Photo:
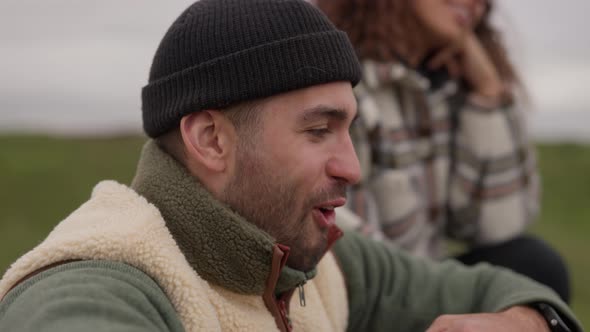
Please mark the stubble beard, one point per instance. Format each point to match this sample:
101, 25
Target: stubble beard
269, 201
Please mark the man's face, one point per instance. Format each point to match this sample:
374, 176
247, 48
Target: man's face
292, 173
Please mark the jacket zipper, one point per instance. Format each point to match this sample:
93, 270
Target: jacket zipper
302, 293
279, 307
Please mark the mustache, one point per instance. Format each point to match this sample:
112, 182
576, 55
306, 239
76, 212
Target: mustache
334, 191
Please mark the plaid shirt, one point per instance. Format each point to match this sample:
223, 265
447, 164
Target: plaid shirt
436, 163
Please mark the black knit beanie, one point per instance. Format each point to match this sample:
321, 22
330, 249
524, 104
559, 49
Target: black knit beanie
220, 52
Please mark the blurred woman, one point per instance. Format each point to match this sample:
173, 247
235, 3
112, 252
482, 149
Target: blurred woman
440, 136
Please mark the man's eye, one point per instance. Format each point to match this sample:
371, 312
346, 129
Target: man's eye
318, 132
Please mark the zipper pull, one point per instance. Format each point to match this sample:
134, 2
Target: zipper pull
301, 295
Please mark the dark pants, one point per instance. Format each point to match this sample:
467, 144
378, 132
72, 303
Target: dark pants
527, 255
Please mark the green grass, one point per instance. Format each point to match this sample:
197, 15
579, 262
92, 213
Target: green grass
565, 215
43, 179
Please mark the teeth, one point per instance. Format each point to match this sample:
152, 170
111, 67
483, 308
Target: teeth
329, 208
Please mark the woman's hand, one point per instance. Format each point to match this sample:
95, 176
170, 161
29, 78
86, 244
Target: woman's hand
468, 59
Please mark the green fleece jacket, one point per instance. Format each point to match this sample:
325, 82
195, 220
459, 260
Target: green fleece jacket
133, 285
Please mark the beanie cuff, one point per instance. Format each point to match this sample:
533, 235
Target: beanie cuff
291, 64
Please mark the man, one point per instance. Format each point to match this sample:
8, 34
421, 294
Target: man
231, 211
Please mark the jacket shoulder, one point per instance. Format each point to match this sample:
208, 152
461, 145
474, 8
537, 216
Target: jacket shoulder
107, 295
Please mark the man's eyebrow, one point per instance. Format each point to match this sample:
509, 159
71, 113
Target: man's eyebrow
322, 111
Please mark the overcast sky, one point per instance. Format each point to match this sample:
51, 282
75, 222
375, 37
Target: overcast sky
77, 66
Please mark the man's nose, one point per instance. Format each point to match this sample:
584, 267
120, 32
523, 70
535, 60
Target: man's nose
344, 164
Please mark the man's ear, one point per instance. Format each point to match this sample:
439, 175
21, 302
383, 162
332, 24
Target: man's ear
207, 136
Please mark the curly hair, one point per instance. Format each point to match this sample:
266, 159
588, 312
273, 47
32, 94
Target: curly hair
382, 30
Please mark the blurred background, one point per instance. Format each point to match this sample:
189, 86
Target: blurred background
70, 79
